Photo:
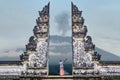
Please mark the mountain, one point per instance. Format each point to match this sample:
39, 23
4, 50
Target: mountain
107, 56
67, 48
60, 48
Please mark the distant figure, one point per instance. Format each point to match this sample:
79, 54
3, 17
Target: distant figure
62, 72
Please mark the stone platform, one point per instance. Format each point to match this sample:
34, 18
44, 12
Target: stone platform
57, 77
70, 77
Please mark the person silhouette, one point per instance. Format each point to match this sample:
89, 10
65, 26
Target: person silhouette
61, 63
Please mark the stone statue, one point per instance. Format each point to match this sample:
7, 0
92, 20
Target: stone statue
32, 44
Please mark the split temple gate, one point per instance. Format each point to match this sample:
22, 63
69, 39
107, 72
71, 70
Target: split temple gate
86, 64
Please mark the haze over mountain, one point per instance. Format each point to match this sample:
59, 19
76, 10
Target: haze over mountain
60, 48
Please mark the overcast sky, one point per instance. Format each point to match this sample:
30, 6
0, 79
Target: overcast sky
102, 17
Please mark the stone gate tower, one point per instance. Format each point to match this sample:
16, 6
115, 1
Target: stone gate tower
35, 59
84, 56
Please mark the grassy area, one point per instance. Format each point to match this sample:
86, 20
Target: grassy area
115, 79
4, 79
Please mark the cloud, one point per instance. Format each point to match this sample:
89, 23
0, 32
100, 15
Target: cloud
59, 44
54, 54
10, 44
54, 57
62, 21
11, 53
